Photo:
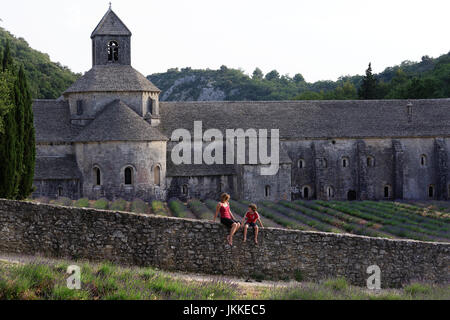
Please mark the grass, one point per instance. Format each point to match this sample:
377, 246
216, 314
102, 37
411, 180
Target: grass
62, 201
40, 280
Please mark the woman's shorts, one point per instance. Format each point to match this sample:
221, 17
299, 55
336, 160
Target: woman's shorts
228, 222
251, 224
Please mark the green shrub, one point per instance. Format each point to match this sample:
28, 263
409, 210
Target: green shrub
118, 204
178, 208
298, 275
63, 201
158, 208
101, 204
139, 206
82, 203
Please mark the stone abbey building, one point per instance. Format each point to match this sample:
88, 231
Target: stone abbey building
108, 135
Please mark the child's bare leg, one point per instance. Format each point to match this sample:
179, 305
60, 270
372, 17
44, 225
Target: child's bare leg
245, 232
256, 234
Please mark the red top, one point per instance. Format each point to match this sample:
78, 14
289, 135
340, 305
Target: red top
251, 216
225, 211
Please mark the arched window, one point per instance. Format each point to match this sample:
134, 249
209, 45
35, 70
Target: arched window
345, 162
267, 191
128, 175
150, 105
184, 189
60, 191
97, 176
351, 195
157, 176
301, 163
387, 191
423, 160
431, 191
330, 192
370, 161
113, 51
306, 192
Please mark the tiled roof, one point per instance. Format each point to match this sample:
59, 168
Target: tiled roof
118, 122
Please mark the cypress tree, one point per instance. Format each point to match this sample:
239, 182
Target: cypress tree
28, 144
368, 89
7, 61
17, 149
8, 153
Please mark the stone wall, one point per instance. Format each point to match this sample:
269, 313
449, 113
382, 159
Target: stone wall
199, 246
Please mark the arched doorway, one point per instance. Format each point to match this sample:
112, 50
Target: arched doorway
351, 195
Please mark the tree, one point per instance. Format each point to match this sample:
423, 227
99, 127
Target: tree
17, 145
299, 78
29, 143
368, 87
272, 75
257, 74
7, 57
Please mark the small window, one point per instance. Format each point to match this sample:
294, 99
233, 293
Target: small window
97, 176
387, 191
128, 175
370, 162
330, 192
345, 162
113, 51
184, 189
60, 191
431, 191
150, 106
423, 160
79, 107
301, 163
157, 176
267, 191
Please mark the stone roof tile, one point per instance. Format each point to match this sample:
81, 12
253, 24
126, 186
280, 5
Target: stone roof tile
111, 78
118, 122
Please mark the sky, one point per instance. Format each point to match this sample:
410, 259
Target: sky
321, 39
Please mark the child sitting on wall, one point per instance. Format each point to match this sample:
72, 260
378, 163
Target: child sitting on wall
251, 218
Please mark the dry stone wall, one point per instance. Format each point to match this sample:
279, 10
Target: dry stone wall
199, 246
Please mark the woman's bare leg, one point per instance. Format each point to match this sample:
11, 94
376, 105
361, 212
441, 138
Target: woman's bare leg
234, 228
256, 234
245, 232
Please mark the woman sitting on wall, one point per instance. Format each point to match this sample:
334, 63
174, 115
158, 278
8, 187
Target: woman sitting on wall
226, 217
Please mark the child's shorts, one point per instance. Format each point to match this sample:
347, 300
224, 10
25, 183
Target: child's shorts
228, 222
251, 224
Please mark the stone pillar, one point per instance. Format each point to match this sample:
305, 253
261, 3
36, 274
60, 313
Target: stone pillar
397, 179
440, 155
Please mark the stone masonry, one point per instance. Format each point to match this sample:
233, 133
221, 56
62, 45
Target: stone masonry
200, 246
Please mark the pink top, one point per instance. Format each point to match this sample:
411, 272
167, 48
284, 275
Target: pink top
225, 211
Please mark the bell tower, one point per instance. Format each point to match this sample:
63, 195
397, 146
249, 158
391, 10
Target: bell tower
111, 41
